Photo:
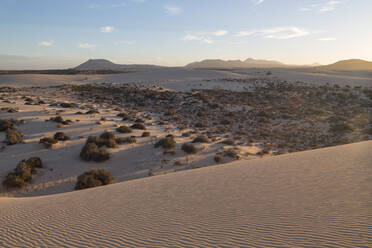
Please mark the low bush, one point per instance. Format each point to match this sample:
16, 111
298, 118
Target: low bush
60, 136
124, 129
126, 140
145, 134
138, 126
167, 143
22, 173
92, 111
67, 105
60, 120
189, 148
228, 142
201, 139
35, 162
232, 154
367, 130
218, 158
341, 128
13, 137
48, 142
91, 152
94, 178
5, 125
123, 115
107, 135
101, 155
14, 181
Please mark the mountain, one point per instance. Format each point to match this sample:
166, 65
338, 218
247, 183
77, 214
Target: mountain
248, 63
103, 64
349, 65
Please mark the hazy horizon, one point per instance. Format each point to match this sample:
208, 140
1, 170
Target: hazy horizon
48, 34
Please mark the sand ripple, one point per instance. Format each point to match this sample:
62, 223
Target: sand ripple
319, 198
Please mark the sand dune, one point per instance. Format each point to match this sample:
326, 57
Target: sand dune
319, 198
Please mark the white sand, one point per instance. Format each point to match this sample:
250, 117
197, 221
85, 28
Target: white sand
319, 198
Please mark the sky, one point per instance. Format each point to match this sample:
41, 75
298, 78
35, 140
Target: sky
40, 34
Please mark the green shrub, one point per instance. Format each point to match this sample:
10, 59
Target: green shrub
94, 178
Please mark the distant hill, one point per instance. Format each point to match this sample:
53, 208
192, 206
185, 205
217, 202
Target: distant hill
103, 64
349, 65
248, 63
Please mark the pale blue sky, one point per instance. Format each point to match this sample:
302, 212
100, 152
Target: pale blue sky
176, 32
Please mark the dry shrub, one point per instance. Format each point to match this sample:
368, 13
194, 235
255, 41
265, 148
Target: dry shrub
229, 142
22, 173
139, 126
94, 178
124, 129
13, 137
232, 153
92, 111
5, 125
91, 152
48, 142
60, 120
126, 140
218, 158
123, 115
341, 128
145, 134
189, 148
60, 136
166, 143
201, 139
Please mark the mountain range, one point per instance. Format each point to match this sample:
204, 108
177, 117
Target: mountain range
344, 65
248, 63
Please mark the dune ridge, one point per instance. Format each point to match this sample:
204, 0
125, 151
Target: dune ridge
318, 198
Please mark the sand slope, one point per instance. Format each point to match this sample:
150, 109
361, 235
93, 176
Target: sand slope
319, 198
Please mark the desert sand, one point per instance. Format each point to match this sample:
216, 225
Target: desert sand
258, 179
319, 198
186, 79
